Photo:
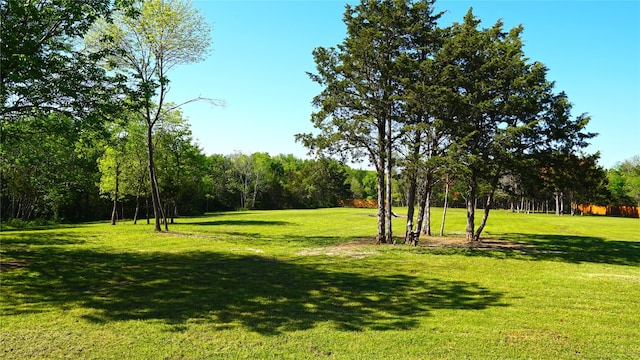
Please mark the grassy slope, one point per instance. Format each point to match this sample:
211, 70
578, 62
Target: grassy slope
274, 285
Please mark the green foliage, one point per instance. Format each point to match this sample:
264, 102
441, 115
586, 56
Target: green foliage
461, 101
362, 184
280, 182
624, 182
47, 171
143, 49
43, 69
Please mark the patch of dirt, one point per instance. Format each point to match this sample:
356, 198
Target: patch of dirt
353, 249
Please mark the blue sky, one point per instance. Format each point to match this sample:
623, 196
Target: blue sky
261, 51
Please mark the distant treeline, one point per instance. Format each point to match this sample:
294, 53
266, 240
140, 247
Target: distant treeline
51, 170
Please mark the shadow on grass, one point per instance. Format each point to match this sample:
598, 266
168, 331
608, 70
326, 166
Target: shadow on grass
40, 239
578, 249
257, 239
262, 294
240, 223
567, 248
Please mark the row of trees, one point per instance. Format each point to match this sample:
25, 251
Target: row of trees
87, 130
52, 170
83, 91
460, 102
92, 61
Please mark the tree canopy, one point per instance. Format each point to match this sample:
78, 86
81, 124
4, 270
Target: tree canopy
144, 49
452, 115
400, 90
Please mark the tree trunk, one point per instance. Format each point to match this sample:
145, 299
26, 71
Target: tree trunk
114, 211
411, 198
420, 216
381, 238
135, 213
155, 198
255, 188
146, 204
427, 214
412, 185
446, 203
471, 208
389, 183
485, 215
380, 162
426, 201
164, 217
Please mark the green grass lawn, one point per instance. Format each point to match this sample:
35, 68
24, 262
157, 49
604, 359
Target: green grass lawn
299, 284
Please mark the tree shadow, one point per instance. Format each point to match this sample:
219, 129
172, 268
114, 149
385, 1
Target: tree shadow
298, 240
241, 223
578, 249
263, 294
40, 239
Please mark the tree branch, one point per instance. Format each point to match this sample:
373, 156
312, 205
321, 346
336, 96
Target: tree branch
212, 102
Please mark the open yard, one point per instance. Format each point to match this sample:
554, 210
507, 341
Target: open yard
306, 284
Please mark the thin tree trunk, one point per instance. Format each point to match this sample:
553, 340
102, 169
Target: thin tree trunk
389, 185
381, 238
411, 198
164, 217
485, 214
412, 185
446, 203
420, 217
135, 213
114, 211
255, 189
427, 215
146, 208
380, 172
155, 199
471, 208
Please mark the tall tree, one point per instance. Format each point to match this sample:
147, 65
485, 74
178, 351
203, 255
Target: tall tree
421, 133
496, 98
166, 33
359, 107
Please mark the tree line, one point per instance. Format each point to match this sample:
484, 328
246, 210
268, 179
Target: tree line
52, 171
443, 114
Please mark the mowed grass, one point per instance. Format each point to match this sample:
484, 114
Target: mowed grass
303, 284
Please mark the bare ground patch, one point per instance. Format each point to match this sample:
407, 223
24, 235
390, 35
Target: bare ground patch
358, 248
